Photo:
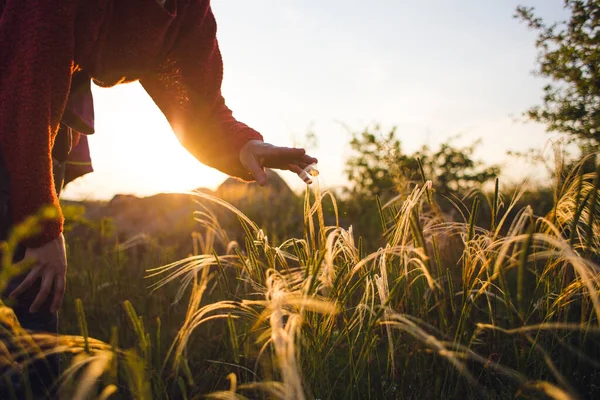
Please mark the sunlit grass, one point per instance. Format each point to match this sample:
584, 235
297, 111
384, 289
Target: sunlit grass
446, 309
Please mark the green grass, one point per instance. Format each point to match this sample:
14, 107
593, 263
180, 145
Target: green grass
445, 309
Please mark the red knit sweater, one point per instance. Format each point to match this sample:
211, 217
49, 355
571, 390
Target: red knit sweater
173, 51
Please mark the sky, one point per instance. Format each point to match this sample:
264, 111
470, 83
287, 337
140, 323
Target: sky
433, 69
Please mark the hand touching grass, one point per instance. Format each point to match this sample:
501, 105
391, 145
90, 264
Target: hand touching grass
50, 264
256, 155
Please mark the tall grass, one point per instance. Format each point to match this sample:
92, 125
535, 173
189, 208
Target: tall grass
446, 309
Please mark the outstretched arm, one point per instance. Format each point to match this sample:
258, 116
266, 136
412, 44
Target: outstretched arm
187, 88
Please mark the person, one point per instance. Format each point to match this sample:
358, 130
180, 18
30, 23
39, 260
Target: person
170, 47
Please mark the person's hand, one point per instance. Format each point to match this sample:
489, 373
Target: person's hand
256, 155
50, 264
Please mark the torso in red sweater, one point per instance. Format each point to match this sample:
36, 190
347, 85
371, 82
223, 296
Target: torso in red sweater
172, 50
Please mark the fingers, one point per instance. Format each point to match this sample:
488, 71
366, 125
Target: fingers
47, 280
59, 293
308, 159
307, 165
258, 156
257, 171
301, 173
279, 157
281, 152
42, 295
27, 282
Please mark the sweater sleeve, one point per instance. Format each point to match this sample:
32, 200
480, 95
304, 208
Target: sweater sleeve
34, 87
187, 88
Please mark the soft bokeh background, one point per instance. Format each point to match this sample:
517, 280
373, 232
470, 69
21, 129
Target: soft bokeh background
435, 69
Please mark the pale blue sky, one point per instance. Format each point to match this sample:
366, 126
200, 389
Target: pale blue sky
432, 68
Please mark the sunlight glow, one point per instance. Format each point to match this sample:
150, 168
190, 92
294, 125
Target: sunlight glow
135, 150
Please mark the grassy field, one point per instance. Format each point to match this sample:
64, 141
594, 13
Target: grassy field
445, 309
